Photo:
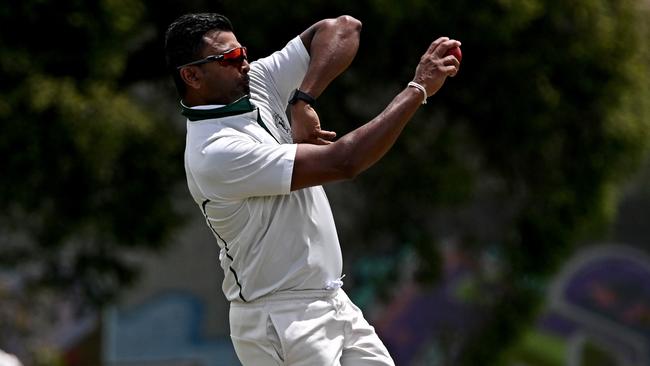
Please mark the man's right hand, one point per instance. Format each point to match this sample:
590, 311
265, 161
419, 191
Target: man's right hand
434, 66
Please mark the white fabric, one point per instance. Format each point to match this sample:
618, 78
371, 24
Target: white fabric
273, 80
7, 359
271, 239
305, 328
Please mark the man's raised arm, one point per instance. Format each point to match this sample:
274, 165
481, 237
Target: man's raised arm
361, 148
332, 45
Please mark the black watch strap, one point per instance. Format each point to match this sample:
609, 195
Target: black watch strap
300, 95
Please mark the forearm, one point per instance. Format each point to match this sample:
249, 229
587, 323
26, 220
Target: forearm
332, 45
363, 147
357, 150
367, 144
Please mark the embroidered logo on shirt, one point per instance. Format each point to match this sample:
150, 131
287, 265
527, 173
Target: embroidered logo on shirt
281, 123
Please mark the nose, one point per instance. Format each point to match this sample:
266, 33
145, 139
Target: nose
245, 67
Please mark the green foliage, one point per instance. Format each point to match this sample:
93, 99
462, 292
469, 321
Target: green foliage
538, 349
87, 171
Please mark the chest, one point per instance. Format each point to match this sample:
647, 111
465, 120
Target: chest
277, 124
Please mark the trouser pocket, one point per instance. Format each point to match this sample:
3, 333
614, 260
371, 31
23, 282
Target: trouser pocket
274, 338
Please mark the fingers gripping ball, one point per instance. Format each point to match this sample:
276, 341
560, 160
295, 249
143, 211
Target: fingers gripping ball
456, 53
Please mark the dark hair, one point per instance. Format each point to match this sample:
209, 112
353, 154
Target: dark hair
184, 40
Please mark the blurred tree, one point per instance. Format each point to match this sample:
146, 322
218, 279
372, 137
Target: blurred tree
88, 172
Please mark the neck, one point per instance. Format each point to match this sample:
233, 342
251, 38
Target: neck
193, 100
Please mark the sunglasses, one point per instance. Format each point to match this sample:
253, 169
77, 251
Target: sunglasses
233, 56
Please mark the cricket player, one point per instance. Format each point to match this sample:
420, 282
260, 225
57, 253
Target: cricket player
257, 179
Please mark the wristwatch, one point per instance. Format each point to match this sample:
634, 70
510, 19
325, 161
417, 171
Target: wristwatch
300, 95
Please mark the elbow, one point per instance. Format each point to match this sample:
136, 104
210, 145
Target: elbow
348, 24
344, 25
348, 172
349, 158
349, 169
342, 160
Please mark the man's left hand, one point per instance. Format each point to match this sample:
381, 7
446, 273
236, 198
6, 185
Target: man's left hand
305, 126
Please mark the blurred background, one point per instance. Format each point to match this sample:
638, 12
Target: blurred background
510, 224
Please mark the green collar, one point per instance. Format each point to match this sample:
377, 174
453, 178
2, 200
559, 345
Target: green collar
240, 106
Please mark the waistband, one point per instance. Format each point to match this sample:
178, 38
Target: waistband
290, 295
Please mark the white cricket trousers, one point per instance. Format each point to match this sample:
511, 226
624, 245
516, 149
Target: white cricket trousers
305, 328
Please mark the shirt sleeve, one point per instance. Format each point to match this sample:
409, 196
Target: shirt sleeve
282, 72
236, 167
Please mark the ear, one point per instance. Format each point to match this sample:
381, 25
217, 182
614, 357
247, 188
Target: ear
191, 76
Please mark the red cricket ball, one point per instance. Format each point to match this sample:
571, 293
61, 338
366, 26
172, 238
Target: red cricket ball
455, 52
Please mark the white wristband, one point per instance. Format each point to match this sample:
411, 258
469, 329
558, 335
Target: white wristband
420, 88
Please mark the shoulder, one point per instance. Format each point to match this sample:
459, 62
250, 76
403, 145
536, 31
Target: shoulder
294, 51
201, 134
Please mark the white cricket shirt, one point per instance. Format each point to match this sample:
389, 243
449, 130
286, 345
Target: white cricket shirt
239, 172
